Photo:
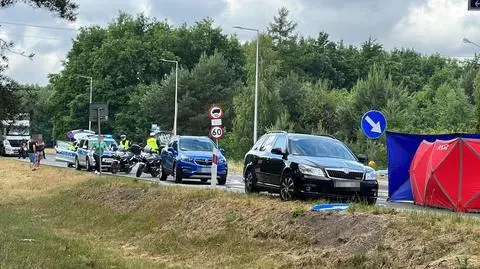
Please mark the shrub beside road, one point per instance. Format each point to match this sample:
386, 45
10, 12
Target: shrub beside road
59, 218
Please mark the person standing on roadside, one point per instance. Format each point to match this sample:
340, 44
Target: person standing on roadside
40, 151
98, 147
32, 154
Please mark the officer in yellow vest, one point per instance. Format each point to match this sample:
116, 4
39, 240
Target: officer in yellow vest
152, 143
124, 142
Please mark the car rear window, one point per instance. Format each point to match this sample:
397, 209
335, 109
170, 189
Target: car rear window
259, 143
268, 145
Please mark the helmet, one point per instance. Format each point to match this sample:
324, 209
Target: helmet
123, 136
152, 134
372, 164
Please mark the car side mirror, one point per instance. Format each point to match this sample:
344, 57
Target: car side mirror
278, 151
362, 158
222, 150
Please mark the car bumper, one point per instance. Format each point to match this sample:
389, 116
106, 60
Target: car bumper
191, 170
9, 151
339, 188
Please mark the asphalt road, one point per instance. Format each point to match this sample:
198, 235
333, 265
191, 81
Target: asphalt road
234, 181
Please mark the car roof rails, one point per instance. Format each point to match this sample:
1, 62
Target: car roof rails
327, 135
276, 132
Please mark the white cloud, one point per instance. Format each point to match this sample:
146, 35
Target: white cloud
437, 26
425, 25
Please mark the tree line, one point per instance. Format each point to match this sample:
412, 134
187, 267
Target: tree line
306, 84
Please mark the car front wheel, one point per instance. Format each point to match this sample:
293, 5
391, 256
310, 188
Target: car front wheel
77, 164
222, 180
178, 174
287, 188
163, 174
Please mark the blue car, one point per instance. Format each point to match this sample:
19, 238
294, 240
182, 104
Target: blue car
191, 157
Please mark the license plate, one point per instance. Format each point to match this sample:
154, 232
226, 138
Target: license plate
347, 184
107, 160
204, 170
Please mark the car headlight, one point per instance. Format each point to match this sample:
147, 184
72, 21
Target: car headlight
370, 175
186, 158
310, 170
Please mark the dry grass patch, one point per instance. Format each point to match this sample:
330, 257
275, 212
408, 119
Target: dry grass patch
235, 166
18, 182
50, 151
113, 222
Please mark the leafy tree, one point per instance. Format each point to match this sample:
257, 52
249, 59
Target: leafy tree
209, 82
282, 29
65, 9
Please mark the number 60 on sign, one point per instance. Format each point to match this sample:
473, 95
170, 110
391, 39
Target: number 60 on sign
217, 132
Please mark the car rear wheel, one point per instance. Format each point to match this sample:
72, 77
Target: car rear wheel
370, 200
250, 182
287, 188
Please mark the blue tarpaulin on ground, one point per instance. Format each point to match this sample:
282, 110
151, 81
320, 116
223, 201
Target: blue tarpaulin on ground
330, 207
401, 149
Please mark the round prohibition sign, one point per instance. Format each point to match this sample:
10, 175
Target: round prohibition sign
217, 132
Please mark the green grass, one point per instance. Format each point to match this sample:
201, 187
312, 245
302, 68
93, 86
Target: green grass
118, 223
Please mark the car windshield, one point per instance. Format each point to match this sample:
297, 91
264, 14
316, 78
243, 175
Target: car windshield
316, 146
18, 130
196, 144
111, 144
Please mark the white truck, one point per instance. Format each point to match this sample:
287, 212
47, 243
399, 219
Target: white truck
13, 133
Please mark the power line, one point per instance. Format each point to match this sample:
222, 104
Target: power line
38, 26
32, 36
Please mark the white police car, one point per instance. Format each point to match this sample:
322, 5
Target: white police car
85, 151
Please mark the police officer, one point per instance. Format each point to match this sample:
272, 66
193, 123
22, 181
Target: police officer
152, 143
124, 142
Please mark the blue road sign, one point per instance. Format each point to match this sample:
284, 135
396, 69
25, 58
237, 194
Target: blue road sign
373, 124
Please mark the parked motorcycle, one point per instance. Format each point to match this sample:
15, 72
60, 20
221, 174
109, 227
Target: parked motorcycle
23, 152
149, 163
124, 161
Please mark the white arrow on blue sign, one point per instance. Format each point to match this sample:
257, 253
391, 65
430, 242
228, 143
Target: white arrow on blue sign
373, 124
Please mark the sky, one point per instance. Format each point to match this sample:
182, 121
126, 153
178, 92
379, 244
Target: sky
428, 26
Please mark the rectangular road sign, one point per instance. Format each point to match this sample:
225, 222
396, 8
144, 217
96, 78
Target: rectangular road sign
95, 109
474, 5
216, 122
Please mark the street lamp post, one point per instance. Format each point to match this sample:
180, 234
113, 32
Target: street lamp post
90, 102
255, 113
176, 94
468, 41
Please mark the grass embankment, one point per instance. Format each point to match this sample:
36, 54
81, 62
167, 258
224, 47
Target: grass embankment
59, 218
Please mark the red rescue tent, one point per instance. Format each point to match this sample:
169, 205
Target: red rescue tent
447, 174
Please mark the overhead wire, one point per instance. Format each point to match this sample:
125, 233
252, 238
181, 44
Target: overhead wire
39, 26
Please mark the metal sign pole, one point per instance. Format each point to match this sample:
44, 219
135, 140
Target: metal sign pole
213, 180
99, 142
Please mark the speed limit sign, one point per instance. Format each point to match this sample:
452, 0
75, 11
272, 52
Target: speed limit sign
217, 132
